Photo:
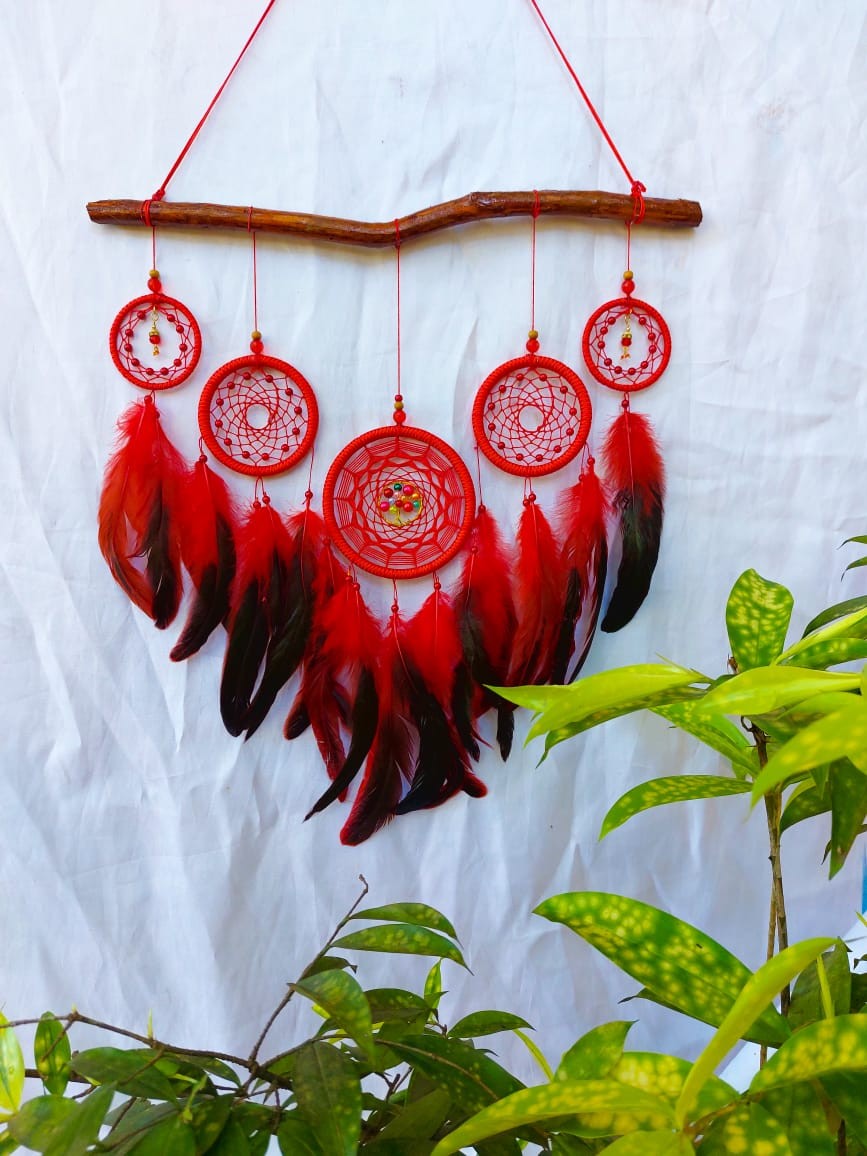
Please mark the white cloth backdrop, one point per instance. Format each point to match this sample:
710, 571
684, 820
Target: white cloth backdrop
148, 860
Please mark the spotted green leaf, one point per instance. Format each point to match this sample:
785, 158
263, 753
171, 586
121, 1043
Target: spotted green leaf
805, 802
842, 734
340, 995
416, 913
686, 968
486, 1023
134, 1071
831, 652
433, 985
800, 1113
564, 1145
210, 1117
672, 789
594, 1055
326, 963
388, 1003
171, 1137
402, 939
11, 1069
472, 1079
651, 1144
806, 1003
419, 1120
664, 1076
757, 993
621, 690
233, 1142
840, 610
80, 1129
329, 1096
52, 1052
37, 1121
820, 1049
846, 1092
749, 1129
758, 613
7, 1144
623, 1107
770, 688
714, 730
595, 718
848, 792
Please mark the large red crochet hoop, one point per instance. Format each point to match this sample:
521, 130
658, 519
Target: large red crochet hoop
647, 347
398, 502
155, 323
532, 416
258, 415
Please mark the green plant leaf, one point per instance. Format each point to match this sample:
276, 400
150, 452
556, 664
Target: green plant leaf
133, 1071
651, 1144
758, 613
846, 1092
418, 914
848, 791
233, 1142
536, 1052
806, 802
801, 1115
839, 735
171, 1137
769, 688
850, 607
689, 971
664, 1076
7, 1144
829, 652
714, 730
296, 1138
419, 1120
470, 1077
486, 1023
622, 690
36, 1122
391, 1003
327, 963
757, 993
433, 986
52, 1051
129, 1121
820, 1049
402, 939
748, 1129
210, 1117
626, 1107
806, 1003
75, 1134
594, 1055
595, 718
564, 1145
341, 996
672, 789
329, 1095
11, 1068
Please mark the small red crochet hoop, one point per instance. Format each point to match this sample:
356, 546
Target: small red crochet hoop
531, 416
150, 328
398, 502
641, 341
258, 415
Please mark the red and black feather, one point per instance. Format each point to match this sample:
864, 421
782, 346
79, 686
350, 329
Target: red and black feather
539, 597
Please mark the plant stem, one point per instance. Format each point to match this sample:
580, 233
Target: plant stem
842, 1146
778, 929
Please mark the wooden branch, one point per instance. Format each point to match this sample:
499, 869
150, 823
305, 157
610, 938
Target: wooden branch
473, 207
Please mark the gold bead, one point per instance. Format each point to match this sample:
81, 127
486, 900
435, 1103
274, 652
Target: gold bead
255, 335
533, 334
628, 275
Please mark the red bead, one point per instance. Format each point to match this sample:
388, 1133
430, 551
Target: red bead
154, 284
384, 505
154, 338
532, 345
628, 288
408, 507
256, 345
626, 339
400, 417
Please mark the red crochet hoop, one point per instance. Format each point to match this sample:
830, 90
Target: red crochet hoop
648, 358
531, 416
178, 344
398, 502
258, 415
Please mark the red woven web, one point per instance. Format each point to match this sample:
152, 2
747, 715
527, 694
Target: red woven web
649, 349
531, 416
359, 502
258, 415
180, 342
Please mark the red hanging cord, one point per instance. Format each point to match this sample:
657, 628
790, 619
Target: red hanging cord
161, 191
399, 415
632, 181
536, 210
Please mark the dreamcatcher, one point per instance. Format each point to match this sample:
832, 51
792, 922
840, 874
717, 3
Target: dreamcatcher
396, 701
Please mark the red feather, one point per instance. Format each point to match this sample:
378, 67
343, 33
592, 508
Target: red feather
137, 513
539, 597
636, 476
207, 526
583, 532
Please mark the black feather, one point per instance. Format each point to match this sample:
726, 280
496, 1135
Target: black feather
640, 530
162, 564
595, 607
248, 641
364, 723
505, 729
565, 644
440, 762
211, 605
462, 698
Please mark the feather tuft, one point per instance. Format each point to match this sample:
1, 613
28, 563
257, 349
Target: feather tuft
539, 597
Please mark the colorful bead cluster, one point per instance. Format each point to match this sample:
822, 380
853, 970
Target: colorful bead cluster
400, 503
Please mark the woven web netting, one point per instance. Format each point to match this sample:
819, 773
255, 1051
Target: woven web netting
532, 416
156, 364
258, 415
634, 365
398, 503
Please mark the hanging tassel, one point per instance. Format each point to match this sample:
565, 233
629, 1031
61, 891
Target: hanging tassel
137, 513
207, 541
291, 601
539, 596
430, 649
487, 622
352, 648
585, 559
636, 476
